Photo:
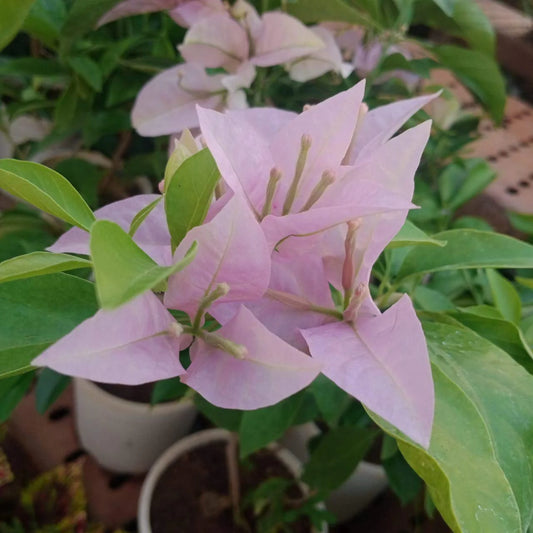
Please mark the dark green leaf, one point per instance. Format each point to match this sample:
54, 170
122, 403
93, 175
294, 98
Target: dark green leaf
167, 390
88, 70
338, 453
45, 19
50, 385
84, 176
318, 10
38, 311
332, 401
12, 390
229, 419
263, 426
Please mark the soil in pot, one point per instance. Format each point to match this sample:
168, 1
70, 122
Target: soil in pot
192, 495
133, 393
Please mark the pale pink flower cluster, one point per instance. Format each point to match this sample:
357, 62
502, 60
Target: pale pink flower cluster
311, 201
235, 40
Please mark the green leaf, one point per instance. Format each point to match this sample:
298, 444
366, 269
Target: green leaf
45, 19
526, 282
432, 300
412, 235
12, 390
32, 66
140, 217
447, 6
84, 176
189, 193
459, 18
499, 331
317, 11
332, 401
229, 419
479, 73
122, 270
505, 297
479, 466
50, 385
88, 70
521, 222
167, 390
12, 15
38, 311
45, 189
460, 182
39, 264
469, 249
83, 17
403, 480
335, 457
262, 426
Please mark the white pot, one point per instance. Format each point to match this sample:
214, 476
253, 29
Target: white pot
190, 442
357, 492
126, 436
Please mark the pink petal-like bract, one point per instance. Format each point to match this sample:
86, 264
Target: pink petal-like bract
393, 166
191, 11
330, 125
216, 41
167, 103
381, 123
242, 154
128, 345
281, 39
320, 61
383, 362
231, 249
152, 236
271, 371
137, 7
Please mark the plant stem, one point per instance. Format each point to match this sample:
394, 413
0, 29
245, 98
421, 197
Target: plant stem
232, 463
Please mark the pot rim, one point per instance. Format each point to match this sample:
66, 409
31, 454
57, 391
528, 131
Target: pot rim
115, 402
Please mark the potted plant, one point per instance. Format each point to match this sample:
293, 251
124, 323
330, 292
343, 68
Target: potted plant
198, 482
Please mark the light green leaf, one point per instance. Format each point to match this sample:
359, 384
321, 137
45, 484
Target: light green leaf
479, 466
336, 456
38, 311
501, 332
467, 248
45, 189
140, 217
526, 282
505, 297
39, 264
431, 300
479, 72
122, 270
12, 15
189, 194
412, 235
262, 426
